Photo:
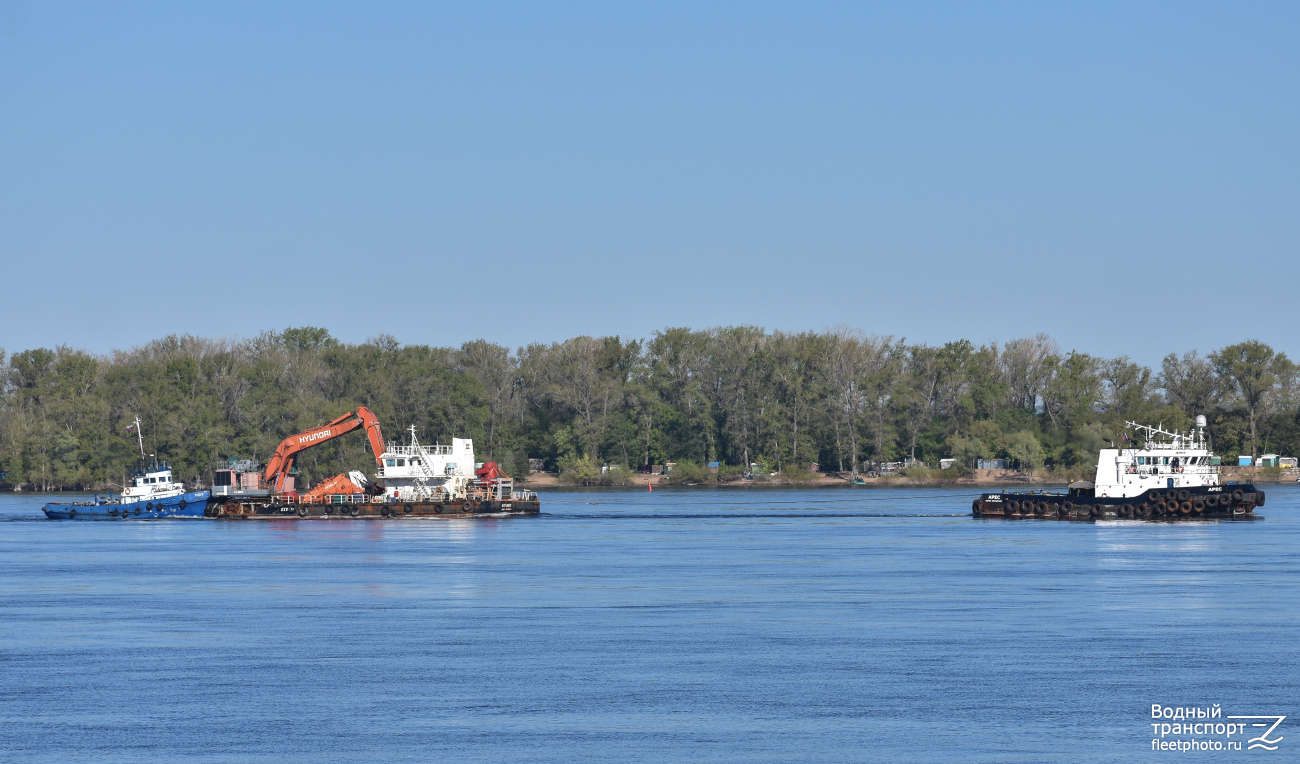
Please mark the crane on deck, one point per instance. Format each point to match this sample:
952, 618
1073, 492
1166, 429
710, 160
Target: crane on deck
278, 466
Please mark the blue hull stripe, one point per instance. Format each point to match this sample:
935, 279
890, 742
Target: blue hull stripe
190, 504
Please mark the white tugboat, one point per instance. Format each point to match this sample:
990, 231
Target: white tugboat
1162, 475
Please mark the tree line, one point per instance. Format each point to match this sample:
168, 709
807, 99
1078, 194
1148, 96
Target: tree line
737, 395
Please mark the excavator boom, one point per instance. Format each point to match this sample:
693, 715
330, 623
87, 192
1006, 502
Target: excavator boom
282, 460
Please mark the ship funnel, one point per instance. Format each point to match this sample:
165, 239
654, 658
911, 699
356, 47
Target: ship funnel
1200, 420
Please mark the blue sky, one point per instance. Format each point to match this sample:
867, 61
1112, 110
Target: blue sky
1123, 177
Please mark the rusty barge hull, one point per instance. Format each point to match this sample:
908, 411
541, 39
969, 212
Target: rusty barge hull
1229, 502
409, 510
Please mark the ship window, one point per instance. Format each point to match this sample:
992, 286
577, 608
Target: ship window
401, 462
1164, 460
391, 462
1142, 460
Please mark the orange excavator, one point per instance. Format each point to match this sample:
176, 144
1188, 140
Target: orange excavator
278, 466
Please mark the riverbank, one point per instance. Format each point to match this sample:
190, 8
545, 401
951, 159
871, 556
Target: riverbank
544, 480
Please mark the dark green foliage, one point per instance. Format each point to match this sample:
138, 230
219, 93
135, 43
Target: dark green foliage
735, 395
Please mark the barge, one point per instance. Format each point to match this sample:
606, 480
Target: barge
1163, 475
411, 481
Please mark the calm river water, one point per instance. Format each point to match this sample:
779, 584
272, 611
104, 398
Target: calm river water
682, 625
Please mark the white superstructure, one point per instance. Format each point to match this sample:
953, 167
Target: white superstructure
1182, 461
418, 471
152, 479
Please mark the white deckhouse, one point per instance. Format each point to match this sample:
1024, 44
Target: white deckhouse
1183, 461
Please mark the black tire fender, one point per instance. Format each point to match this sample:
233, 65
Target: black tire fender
1013, 506
1184, 495
1259, 498
354, 510
183, 503
1153, 495
302, 511
1238, 495
1094, 510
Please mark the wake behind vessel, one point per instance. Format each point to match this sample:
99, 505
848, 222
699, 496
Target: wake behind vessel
153, 494
1160, 479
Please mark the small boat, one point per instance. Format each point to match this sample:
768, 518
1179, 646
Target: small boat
152, 495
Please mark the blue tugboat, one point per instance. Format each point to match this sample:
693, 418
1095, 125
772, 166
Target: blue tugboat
153, 494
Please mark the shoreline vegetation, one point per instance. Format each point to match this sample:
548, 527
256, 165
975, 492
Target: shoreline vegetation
914, 478
806, 408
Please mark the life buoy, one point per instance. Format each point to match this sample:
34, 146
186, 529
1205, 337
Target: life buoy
302, 511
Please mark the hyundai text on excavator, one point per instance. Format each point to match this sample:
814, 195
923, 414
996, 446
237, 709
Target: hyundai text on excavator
411, 481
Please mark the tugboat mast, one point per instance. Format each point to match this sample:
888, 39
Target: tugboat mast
139, 436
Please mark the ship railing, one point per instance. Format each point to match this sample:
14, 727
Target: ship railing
434, 450
333, 498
